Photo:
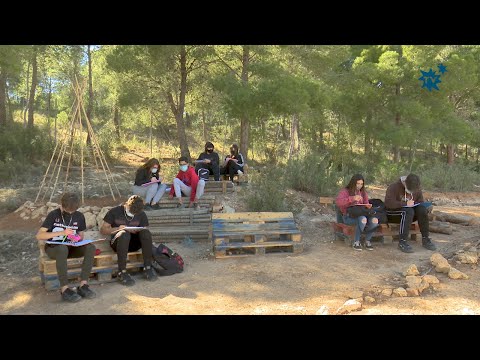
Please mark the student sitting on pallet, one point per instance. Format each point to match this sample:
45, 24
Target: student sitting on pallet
148, 173
59, 224
233, 163
209, 160
127, 225
187, 182
354, 194
403, 201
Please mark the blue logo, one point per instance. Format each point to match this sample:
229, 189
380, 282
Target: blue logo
431, 79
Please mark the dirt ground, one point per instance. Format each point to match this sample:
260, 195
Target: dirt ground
319, 280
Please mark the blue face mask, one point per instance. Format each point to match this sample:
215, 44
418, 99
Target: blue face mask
183, 168
154, 170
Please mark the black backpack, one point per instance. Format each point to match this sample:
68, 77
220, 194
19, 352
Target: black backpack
166, 261
380, 210
203, 174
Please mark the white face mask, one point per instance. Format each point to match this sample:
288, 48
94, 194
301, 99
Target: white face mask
129, 213
359, 187
154, 170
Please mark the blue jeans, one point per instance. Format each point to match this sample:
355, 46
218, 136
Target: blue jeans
368, 226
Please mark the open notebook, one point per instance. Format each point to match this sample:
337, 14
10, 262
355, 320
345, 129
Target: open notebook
70, 243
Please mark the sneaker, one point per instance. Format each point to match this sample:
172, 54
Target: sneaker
147, 208
405, 246
84, 291
357, 246
125, 278
239, 172
149, 274
196, 206
180, 205
156, 206
70, 296
368, 246
427, 244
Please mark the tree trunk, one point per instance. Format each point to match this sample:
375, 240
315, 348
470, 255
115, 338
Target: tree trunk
368, 141
284, 128
244, 121
204, 124
24, 114
31, 101
178, 110
116, 122
3, 104
450, 154
49, 106
294, 137
396, 148
90, 92
466, 152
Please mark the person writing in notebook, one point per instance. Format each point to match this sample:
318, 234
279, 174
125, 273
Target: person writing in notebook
148, 184
57, 226
400, 201
354, 194
118, 222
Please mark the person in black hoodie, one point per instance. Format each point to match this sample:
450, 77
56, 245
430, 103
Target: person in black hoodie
209, 160
233, 163
403, 202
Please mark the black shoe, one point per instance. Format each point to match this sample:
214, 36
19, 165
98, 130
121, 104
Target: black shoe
368, 246
147, 208
155, 207
196, 206
150, 274
125, 279
357, 247
180, 206
70, 296
427, 244
84, 291
405, 246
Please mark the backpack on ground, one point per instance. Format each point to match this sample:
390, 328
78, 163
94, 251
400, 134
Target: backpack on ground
166, 261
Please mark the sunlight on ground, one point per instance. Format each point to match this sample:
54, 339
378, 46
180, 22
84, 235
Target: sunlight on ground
19, 299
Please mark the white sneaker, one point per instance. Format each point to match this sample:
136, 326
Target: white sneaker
239, 172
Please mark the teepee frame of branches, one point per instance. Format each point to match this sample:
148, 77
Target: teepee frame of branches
78, 117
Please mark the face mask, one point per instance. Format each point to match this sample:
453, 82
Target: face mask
129, 213
183, 167
359, 187
209, 151
154, 170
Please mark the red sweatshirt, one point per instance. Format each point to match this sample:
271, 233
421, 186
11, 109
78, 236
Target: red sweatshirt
344, 200
189, 178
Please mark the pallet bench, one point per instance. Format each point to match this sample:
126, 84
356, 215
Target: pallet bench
385, 233
104, 268
178, 224
206, 202
254, 233
218, 187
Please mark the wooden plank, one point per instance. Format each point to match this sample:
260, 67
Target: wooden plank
326, 200
254, 227
249, 216
279, 232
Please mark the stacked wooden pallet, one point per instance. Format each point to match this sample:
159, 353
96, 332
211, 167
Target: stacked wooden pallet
206, 202
219, 187
255, 233
178, 224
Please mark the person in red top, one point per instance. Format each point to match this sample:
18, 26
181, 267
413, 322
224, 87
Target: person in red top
353, 194
186, 182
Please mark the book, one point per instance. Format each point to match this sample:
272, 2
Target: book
129, 228
151, 182
426, 204
71, 243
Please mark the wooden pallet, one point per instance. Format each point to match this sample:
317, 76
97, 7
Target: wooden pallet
178, 224
206, 202
104, 267
219, 187
254, 233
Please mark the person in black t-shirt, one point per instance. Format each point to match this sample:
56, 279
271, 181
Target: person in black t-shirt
59, 224
117, 223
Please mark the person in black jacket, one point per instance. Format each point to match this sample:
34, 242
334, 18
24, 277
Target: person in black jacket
209, 160
148, 184
233, 163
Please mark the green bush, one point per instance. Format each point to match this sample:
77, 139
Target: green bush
268, 192
444, 177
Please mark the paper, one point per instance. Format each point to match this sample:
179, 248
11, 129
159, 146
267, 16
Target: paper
129, 228
426, 204
151, 182
70, 243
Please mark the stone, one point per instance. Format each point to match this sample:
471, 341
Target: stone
411, 270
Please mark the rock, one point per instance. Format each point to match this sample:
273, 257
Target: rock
52, 204
401, 292
355, 294
349, 306
101, 215
90, 220
93, 234
431, 279
84, 209
323, 310
228, 210
95, 209
413, 282
441, 264
41, 211
412, 292
457, 274
468, 257
387, 292
369, 299
411, 270
423, 286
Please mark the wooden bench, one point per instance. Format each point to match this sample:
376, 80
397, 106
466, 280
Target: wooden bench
384, 233
104, 268
254, 233
180, 224
238, 179
219, 187
206, 202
